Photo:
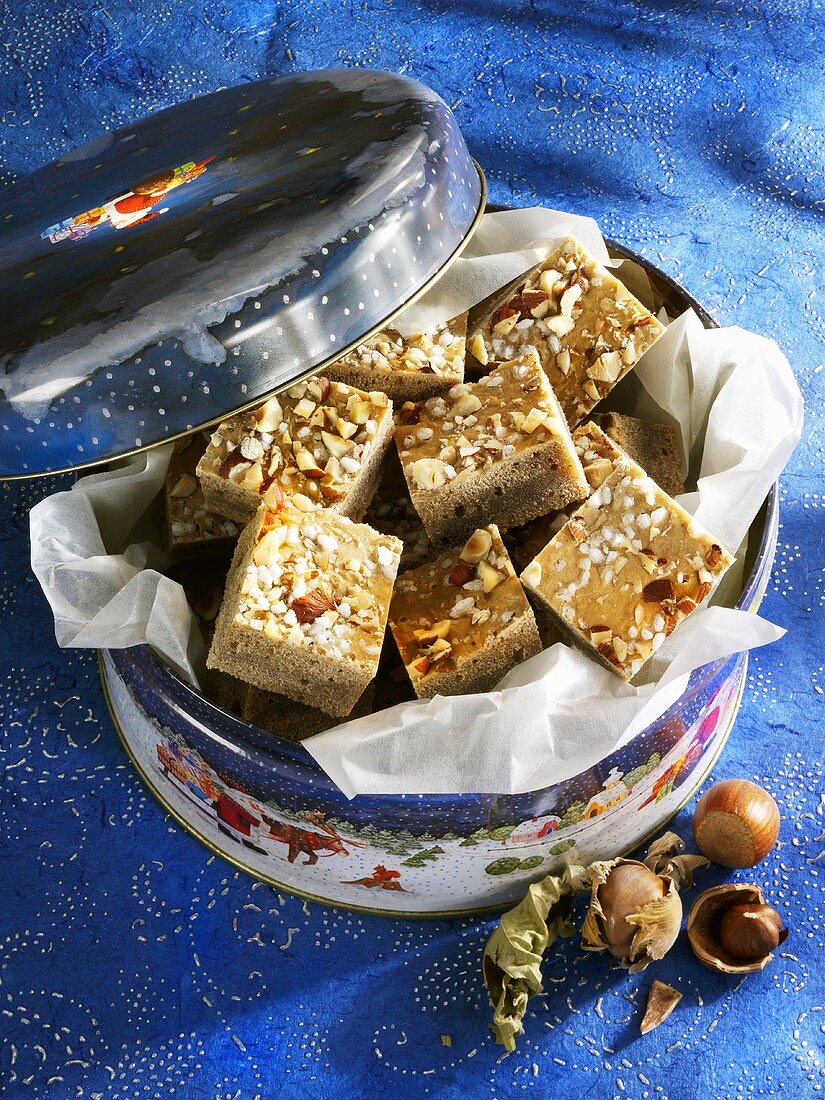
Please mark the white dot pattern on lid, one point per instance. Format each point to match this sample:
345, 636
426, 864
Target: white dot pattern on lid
362, 221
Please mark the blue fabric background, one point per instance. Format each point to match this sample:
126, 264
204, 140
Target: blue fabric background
133, 964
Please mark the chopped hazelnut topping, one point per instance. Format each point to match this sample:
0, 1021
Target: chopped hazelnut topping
439, 353
479, 349
310, 607
477, 546
312, 441
462, 438
662, 568
460, 574
434, 633
314, 578
444, 614
658, 590
185, 486
191, 527
589, 331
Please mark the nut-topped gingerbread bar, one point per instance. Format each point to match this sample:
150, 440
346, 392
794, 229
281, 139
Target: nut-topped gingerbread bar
598, 455
306, 605
463, 621
625, 570
493, 451
321, 442
192, 529
407, 368
652, 446
588, 329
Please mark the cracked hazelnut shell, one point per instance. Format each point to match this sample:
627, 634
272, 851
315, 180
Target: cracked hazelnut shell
704, 927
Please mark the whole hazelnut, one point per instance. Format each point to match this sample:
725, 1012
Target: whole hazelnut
736, 823
751, 931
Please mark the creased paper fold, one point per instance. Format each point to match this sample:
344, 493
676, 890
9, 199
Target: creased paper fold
738, 408
105, 592
555, 716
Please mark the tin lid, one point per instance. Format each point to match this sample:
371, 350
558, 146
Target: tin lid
189, 266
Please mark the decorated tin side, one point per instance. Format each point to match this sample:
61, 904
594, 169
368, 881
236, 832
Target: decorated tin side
266, 806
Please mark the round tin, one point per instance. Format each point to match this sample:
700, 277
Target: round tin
265, 805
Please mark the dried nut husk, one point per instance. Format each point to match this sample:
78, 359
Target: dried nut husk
635, 910
661, 1001
663, 857
637, 920
512, 957
704, 927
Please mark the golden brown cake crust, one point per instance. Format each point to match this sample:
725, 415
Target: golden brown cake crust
321, 442
305, 607
410, 368
626, 569
655, 447
284, 717
192, 529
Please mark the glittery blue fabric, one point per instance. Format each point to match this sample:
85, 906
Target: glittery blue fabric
134, 964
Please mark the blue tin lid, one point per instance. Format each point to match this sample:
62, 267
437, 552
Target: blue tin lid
189, 266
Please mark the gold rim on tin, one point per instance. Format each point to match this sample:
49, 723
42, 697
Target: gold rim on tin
402, 914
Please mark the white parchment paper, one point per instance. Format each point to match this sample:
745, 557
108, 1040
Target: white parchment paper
739, 410
103, 585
